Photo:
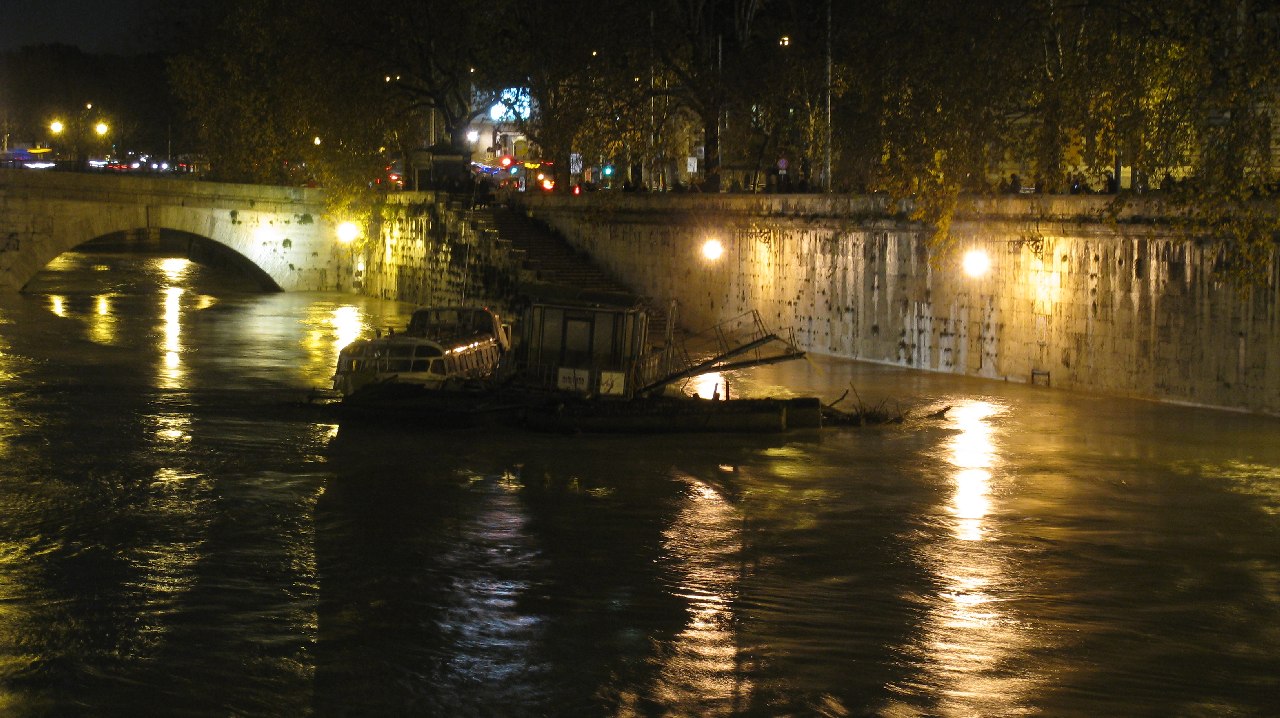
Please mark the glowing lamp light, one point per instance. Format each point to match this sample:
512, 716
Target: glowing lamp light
548, 184
101, 128
976, 263
347, 232
712, 249
473, 136
316, 140
56, 127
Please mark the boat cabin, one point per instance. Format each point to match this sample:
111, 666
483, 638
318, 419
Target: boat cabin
441, 347
582, 347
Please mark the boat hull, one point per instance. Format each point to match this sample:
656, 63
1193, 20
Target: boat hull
563, 413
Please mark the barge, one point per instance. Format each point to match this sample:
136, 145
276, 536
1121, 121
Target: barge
579, 363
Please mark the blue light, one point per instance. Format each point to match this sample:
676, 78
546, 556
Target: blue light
514, 106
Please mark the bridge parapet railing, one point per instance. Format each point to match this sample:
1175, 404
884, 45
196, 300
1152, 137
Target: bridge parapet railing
94, 187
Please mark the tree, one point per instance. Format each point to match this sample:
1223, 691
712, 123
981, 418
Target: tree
245, 92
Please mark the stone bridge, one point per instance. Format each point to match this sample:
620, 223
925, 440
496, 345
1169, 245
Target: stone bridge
278, 233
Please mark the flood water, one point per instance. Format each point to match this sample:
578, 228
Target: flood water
182, 535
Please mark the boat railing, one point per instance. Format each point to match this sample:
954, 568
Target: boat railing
737, 343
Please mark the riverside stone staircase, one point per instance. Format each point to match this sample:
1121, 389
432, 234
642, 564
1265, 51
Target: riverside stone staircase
549, 258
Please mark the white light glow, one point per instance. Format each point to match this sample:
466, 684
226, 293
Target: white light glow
175, 268
976, 263
347, 232
712, 249
514, 105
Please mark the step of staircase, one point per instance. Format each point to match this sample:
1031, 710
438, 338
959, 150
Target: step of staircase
549, 258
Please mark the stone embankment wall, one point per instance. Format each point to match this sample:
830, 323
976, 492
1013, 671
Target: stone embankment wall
429, 250
1072, 300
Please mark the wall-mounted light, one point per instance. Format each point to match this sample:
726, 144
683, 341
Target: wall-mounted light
347, 232
712, 249
976, 263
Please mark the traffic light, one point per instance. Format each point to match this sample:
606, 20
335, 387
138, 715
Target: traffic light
607, 171
506, 161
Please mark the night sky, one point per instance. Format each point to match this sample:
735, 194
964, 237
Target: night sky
110, 26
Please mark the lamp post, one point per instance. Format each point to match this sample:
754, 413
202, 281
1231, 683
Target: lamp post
81, 133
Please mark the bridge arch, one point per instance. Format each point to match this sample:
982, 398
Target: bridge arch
280, 231
194, 247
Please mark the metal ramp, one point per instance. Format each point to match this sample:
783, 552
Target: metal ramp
738, 343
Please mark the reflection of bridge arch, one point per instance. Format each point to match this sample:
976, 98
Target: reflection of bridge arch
174, 243
280, 231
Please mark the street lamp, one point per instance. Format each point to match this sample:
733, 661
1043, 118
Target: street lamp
712, 250
976, 263
80, 133
347, 232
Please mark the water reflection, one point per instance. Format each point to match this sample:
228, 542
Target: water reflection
483, 620
171, 367
102, 327
708, 386
702, 667
327, 329
973, 455
967, 636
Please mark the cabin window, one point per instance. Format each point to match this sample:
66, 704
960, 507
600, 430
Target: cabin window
552, 326
577, 342
437, 366
605, 347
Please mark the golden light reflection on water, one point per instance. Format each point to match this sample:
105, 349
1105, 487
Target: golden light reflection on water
966, 638
708, 386
102, 324
171, 373
327, 329
167, 566
703, 665
17, 577
173, 427
973, 455
175, 268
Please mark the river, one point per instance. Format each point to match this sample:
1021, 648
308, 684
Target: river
182, 534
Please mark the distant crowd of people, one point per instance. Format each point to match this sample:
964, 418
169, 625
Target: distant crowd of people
1078, 183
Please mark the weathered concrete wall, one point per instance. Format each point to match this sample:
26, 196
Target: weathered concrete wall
1071, 299
281, 230
426, 250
